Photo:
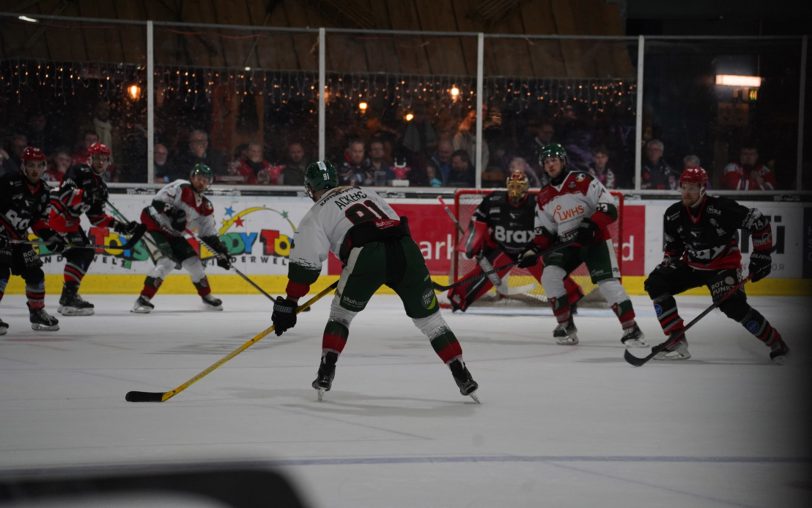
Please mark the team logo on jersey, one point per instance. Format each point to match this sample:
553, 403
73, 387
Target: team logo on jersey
580, 177
429, 299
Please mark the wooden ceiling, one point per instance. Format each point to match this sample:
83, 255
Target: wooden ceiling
357, 52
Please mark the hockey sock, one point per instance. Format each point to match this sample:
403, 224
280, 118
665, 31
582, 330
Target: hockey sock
561, 309
36, 295
151, 286
202, 286
758, 325
574, 291
446, 346
3, 283
666, 309
73, 274
334, 338
625, 313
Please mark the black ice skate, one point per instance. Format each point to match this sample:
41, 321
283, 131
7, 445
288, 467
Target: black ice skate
779, 352
41, 320
142, 306
72, 304
325, 375
633, 337
463, 378
3, 327
566, 334
212, 303
675, 348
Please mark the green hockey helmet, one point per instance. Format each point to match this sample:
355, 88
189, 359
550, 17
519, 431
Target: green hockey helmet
319, 176
553, 150
201, 169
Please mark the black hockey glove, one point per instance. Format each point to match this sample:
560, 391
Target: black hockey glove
528, 258
56, 243
587, 233
667, 265
4, 241
761, 263
284, 315
177, 216
125, 228
221, 253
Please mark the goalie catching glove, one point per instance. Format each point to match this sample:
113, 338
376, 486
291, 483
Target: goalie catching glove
284, 315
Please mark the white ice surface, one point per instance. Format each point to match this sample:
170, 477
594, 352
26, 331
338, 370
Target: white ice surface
558, 426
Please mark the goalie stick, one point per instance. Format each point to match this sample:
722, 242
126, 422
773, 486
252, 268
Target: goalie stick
639, 362
137, 396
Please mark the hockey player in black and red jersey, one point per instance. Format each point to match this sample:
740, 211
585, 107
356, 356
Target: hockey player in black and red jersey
501, 230
24, 204
575, 207
376, 248
82, 191
179, 206
701, 249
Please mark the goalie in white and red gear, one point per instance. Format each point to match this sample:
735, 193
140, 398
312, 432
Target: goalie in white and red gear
575, 207
501, 230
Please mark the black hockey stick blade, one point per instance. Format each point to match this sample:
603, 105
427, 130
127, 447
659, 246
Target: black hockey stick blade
136, 396
639, 362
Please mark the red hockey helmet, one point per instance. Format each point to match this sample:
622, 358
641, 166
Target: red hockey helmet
98, 149
32, 153
694, 175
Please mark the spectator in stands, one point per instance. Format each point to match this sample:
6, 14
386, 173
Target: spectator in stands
294, 169
198, 152
691, 161
657, 174
40, 133
165, 170
58, 165
12, 155
378, 171
600, 169
519, 163
419, 137
80, 155
462, 171
748, 173
433, 176
442, 158
353, 170
255, 169
103, 127
465, 138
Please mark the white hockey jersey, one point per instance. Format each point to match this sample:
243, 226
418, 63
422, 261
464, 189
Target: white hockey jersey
561, 208
198, 208
325, 225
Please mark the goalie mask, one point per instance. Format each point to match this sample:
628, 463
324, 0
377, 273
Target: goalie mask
517, 186
319, 176
99, 157
34, 163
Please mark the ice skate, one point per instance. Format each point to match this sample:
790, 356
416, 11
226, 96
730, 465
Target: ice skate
463, 378
142, 306
566, 334
676, 348
779, 352
212, 303
633, 337
3, 327
72, 304
325, 375
41, 320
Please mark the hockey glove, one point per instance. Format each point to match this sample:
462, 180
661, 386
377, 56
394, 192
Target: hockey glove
667, 265
3, 241
56, 243
587, 233
528, 258
125, 228
284, 315
761, 264
220, 251
177, 217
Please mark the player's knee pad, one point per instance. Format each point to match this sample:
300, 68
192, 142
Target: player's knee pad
736, 307
655, 285
552, 279
431, 326
612, 291
339, 314
163, 267
194, 267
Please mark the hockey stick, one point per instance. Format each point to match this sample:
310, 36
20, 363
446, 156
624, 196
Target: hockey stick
638, 362
150, 246
136, 396
240, 273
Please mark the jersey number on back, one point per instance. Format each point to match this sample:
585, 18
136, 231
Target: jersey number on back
364, 212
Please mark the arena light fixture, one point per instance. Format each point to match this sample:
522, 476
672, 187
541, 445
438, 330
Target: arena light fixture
362, 106
454, 92
738, 80
27, 19
408, 116
134, 91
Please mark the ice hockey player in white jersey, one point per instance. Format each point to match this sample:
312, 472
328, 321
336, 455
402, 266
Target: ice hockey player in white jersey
376, 248
575, 207
179, 206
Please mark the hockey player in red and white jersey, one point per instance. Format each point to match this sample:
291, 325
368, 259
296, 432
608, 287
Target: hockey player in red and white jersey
501, 229
376, 248
701, 247
178, 207
575, 207
82, 192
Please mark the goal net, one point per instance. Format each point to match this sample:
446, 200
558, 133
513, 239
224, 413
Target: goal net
519, 287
